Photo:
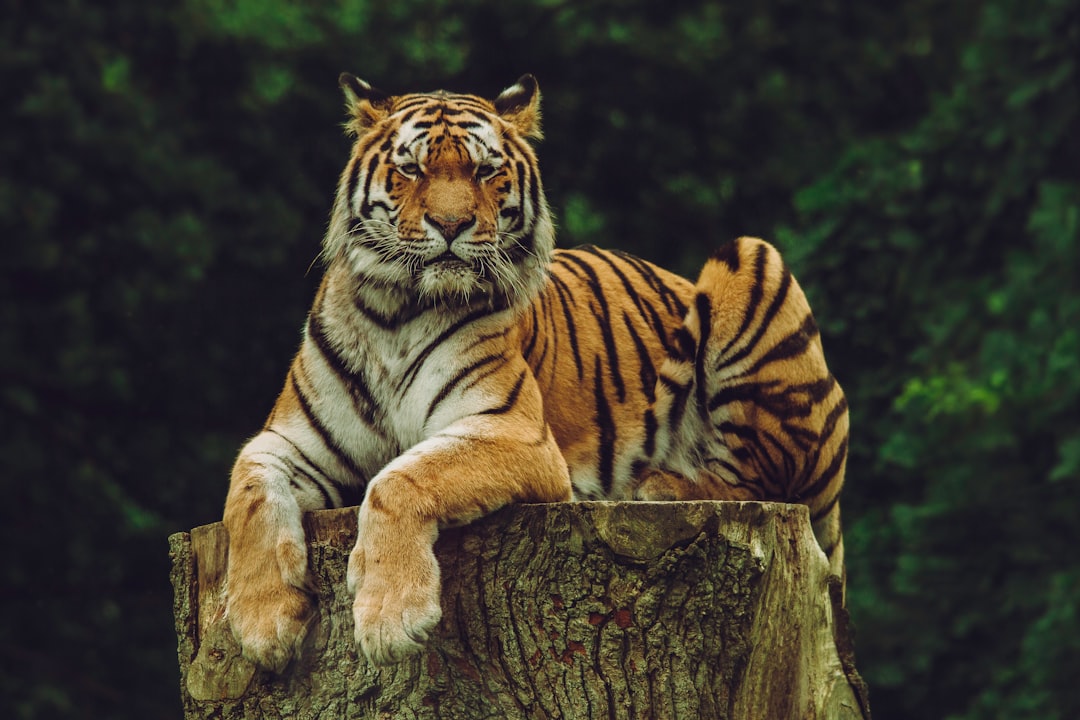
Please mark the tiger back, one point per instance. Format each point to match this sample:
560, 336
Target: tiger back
657, 388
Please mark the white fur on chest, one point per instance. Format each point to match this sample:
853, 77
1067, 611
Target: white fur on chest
404, 371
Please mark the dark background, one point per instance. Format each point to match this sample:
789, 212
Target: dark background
166, 171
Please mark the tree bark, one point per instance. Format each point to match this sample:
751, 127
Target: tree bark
575, 611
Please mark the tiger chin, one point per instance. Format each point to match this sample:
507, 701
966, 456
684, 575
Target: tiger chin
454, 362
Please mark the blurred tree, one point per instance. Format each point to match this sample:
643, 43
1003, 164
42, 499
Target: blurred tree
139, 177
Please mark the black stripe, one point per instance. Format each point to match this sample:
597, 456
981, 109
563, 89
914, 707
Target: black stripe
466, 105
648, 273
646, 369
766, 320
551, 331
839, 457
511, 400
680, 394
782, 477
684, 348
822, 512
793, 345
645, 308
513, 214
527, 352
487, 149
565, 299
405, 313
336, 486
458, 378
418, 100
520, 167
833, 418
355, 382
354, 178
752, 446
798, 401
294, 470
606, 430
650, 432
728, 254
388, 188
704, 312
522, 248
544, 351
757, 292
365, 207
603, 321
484, 337
736, 472
660, 330
408, 111
386, 322
329, 440
828, 476
743, 392
606, 257
551, 337
534, 193
784, 402
803, 438
410, 374
298, 451
482, 376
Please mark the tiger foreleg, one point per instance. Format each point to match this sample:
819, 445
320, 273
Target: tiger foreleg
393, 574
268, 603
461, 474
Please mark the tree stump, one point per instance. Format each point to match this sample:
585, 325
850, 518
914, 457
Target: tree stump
569, 610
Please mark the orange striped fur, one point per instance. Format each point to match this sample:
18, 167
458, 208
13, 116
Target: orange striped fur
454, 362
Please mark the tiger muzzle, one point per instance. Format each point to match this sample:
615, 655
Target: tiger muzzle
450, 226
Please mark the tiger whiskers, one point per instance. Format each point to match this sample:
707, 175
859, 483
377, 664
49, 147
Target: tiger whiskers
381, 238
523, 284
502, 271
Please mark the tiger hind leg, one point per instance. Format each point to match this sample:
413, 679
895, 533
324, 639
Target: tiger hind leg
667, 485
748, 407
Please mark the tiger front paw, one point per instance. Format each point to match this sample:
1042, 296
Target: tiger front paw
396, 604
269, 616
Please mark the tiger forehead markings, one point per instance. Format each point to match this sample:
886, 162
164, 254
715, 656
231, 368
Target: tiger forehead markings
423, 137
454, 362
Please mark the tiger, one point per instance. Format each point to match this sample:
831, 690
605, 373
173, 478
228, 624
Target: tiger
453, 362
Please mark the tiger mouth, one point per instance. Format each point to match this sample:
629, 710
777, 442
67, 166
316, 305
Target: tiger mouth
449, 261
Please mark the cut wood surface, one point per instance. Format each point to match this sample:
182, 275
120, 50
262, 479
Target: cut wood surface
570, 610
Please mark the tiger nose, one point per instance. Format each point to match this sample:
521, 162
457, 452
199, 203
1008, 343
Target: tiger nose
450, 226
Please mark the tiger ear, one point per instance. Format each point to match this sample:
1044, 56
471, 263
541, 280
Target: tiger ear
365, 104
519, 105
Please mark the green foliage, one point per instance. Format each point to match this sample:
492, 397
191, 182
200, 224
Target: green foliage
970, 435
168, 168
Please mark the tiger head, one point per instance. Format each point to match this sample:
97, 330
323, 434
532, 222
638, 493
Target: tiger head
441, 199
